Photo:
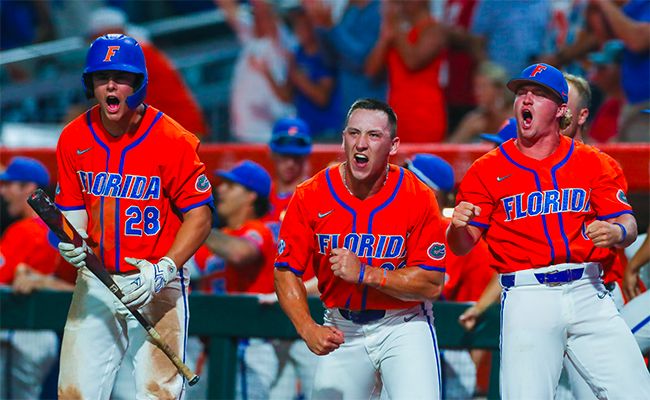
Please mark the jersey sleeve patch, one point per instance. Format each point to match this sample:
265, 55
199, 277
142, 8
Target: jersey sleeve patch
620, 195
202, 184
437, 251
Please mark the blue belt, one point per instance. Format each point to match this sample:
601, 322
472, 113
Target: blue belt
553, 278
362, 317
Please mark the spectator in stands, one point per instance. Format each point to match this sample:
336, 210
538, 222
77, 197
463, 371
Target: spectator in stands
461, 61
494, 105
512, 32
631, 24
166, 89
413, 57
254, 106
311, 83
347, 44
28, 260
606, 20
465, 277
238, 259
606, 76
290, 147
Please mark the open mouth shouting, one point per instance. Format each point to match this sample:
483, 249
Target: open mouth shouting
526, 118
112, 104
360, 160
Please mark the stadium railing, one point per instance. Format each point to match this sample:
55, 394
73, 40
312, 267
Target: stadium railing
224, 319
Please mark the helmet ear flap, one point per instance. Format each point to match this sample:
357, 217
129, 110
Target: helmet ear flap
87, 83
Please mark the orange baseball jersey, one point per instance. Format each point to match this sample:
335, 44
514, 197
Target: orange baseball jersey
132, 187
27, 241
279, 203
535, 212
398, 227
467, 276
219, 277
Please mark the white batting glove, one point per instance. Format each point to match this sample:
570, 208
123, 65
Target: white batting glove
151, 280
75, 255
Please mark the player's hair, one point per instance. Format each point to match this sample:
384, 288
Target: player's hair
582, 87
261, 206
377, 105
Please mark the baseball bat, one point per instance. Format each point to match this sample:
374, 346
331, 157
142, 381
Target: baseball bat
63, 229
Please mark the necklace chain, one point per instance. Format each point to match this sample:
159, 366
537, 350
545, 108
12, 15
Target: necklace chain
345, 174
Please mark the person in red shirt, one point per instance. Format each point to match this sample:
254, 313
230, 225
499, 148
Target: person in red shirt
413, 59
372, 232
28, 260
131, 182
238, 259
550, 212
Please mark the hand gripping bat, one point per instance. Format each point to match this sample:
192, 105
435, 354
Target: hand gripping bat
63, 229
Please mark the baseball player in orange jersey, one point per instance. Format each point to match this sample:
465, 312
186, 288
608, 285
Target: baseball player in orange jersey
240, 261
131, 182
290, 147
550, 212
379, 261
25, 356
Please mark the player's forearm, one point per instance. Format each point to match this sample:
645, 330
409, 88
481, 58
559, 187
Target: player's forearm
641, 257
490, 294
292, 297
461, 240
407, 284
234, 250
190, 236
627, 225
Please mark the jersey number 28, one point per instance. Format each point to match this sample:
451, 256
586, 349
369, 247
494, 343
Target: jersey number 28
147, 220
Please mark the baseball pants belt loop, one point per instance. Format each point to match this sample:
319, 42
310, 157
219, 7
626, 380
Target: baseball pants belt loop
362, 317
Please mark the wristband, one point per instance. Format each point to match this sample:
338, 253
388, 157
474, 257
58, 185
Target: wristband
362, 272
383, 280
624, 232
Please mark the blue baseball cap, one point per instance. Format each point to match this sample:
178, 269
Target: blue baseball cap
507, 131
250, 175
432, 170
291, 136
25, 169
543, 75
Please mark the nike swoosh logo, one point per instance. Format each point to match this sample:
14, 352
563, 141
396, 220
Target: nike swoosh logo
500, 178
325, 214
80, 152
407, 319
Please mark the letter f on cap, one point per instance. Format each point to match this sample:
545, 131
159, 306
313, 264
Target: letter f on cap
110, 52
538, 69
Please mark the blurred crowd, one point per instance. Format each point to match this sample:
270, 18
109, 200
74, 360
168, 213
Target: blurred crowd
440, 64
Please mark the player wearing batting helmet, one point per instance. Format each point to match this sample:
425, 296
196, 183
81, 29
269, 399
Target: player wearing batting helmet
126, 174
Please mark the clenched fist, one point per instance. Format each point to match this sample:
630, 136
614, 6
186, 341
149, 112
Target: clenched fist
345, 265
463, 213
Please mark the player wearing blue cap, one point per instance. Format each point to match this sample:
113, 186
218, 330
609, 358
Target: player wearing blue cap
25, 247
291, 146
551, 212
238, 259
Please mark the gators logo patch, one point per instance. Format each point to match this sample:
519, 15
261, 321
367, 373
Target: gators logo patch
437, 251
282, 246
202, 184
621, 197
